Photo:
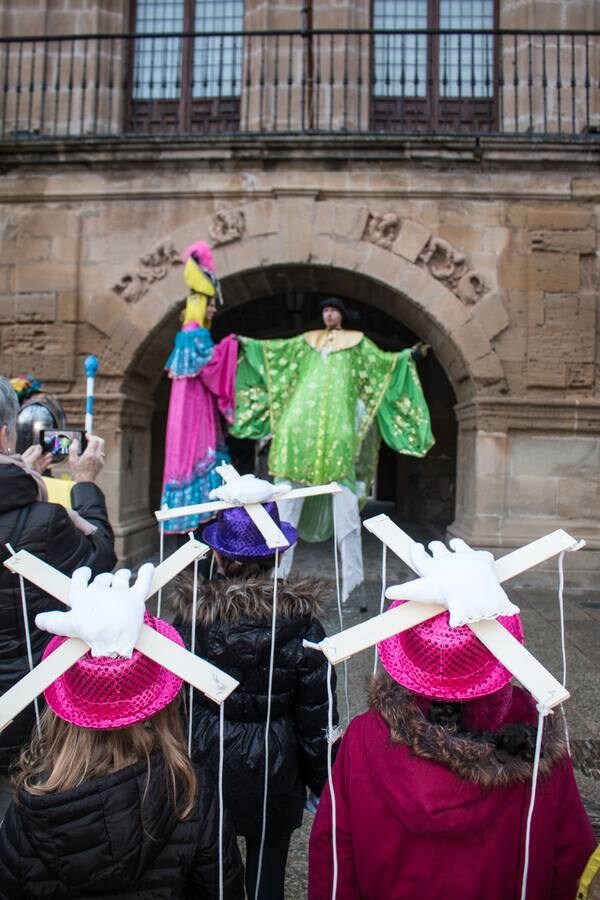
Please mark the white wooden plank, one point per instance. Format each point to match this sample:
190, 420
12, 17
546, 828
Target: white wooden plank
397, 540
41, 574
345, 644
207, 678
518, 660
162, 515
514, 563
35, 682
533, 554
58, 585
176, 563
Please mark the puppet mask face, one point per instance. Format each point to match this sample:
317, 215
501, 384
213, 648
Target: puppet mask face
197, 280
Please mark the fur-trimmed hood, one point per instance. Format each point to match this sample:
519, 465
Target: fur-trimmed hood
472, 756
247, 598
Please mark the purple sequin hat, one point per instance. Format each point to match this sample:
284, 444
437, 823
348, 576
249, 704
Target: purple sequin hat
234, 534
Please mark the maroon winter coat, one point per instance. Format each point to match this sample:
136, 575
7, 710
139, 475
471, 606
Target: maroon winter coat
446, 818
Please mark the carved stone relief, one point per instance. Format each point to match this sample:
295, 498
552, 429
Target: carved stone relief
382, 229
450, 266
153, 266
228, 225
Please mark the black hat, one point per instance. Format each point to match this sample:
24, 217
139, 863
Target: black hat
348, 315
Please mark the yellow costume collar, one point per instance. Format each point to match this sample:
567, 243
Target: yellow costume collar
332, 340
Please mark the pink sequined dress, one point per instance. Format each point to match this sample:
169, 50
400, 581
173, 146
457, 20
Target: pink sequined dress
202, 396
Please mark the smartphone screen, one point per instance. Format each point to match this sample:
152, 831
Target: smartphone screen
57, 441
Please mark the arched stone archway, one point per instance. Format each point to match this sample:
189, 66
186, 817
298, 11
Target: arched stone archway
328, 246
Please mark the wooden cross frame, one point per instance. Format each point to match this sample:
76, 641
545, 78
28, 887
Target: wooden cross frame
207, 678
274, 536
520, 662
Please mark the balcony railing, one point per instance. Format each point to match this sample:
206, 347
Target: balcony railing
514, 83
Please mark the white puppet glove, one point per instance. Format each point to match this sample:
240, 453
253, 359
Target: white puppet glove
107, 614
463, 581
248, 489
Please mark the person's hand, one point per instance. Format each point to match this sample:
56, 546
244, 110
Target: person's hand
107, 614
88, 466
463, 581
248, 489
36, 459
420, 350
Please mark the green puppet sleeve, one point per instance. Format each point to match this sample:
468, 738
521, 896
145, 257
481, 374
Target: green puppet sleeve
403, 416
251, 395
266, 375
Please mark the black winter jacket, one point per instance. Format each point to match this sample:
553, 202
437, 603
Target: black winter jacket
234, 632
49, 533
101, 840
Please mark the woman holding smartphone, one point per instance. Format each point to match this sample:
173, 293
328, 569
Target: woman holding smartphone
67, 539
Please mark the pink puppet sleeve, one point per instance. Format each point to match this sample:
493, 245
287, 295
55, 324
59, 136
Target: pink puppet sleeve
218, 376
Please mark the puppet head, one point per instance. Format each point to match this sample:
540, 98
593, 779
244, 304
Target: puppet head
444, 663
234, 534
107, 693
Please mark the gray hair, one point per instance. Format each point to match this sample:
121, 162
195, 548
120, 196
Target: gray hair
9, 405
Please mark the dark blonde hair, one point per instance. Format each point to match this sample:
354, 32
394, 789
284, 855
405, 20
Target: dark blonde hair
65, 756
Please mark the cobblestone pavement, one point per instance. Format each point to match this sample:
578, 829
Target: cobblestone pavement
536, 594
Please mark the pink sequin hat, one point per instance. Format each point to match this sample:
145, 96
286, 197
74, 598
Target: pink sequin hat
445, 663
105, 693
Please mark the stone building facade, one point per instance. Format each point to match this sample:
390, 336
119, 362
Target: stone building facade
485, 246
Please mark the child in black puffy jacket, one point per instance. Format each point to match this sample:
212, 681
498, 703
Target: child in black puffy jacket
107, 802
233, 631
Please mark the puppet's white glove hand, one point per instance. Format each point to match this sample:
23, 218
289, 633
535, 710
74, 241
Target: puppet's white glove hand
248, 489
107, 614
463, 581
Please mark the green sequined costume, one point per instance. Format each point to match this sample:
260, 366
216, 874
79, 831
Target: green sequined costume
327, 409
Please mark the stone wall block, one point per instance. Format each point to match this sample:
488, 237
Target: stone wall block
583, 241
495, 239
491, 314
527, 493
472, 339
350, 221
7, 308
322, 249
555, 457
551, 217
7, 277
46, 276
49, 222
445, 307
36, 307
488, 369
52, 367
33, 249
411, 240
66, 306
513, 272
262, 217
325, 217
576, 497
65, 249
553, 272
469, 240
102, 311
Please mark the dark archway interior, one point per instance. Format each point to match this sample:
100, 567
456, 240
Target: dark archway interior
422, 489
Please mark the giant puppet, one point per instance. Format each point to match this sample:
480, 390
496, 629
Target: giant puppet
202, 377
328, 397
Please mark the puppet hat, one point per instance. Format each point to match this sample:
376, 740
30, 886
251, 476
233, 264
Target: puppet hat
444, 663
105, 693
234, 534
